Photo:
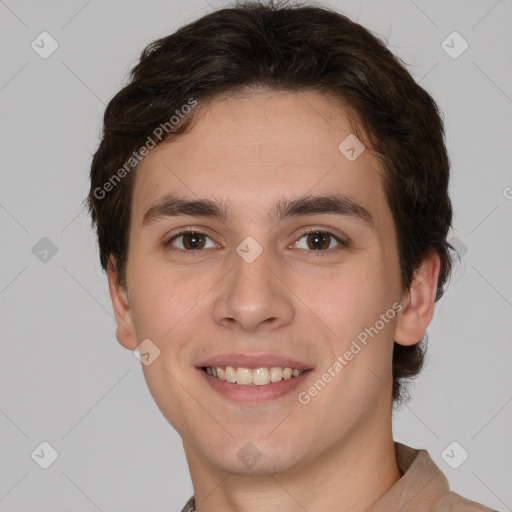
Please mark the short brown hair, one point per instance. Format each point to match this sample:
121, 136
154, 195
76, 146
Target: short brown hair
293, 48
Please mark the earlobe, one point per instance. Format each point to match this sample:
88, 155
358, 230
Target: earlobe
125, 331
418, 302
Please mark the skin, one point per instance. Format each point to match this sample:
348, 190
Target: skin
336, 452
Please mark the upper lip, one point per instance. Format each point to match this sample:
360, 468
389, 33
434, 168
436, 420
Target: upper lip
253, 361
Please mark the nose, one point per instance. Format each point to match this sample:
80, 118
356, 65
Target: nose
253, 295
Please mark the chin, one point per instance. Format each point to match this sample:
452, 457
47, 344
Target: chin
255, 458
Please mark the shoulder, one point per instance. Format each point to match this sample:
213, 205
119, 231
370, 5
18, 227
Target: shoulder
425, 487
190, 506
453, 502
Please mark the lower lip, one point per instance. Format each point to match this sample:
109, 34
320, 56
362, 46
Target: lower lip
254, 393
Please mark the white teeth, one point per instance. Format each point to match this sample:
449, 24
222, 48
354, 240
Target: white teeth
261, 376
243, 376
257, 377
276, 374
230, 374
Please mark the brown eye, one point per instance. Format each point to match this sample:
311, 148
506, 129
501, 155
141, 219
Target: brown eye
188, 241
193, 241
318, 241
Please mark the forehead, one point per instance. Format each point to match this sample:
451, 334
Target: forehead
248, 150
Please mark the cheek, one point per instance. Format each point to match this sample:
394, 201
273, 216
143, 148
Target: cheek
159, 302
350, 301
350, 297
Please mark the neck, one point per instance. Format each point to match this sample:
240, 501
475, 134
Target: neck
350, 475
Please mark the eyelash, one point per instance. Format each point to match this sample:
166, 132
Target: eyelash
317, 253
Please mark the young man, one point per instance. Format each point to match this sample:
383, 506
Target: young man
270, 198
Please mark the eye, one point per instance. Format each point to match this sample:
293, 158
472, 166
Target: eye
317, 240
190, 241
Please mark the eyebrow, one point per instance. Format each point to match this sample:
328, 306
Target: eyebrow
174, 206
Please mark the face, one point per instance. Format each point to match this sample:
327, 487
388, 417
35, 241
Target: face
273, 284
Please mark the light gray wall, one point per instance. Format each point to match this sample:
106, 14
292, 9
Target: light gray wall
65, 379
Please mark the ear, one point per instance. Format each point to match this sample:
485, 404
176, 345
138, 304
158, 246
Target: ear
125, 332
418, 302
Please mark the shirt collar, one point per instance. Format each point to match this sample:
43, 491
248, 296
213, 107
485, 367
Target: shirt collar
422, 483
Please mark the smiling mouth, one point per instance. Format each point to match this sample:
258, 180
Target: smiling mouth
253, 377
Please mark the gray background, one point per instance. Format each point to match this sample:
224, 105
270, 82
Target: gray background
65, 379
